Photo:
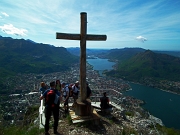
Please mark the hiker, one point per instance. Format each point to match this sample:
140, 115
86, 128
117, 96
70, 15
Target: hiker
53, 98
89, 93
88, 102
65, 91
75, 89
105, 102
58, 86
43, 88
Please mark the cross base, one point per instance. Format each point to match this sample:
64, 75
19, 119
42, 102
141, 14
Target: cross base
83, 108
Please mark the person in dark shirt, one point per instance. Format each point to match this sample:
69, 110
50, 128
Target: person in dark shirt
88, 101
49, 109
104, 102
89, 93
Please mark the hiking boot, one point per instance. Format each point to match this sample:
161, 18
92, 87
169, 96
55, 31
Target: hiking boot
46, 133
66, 111
55, 132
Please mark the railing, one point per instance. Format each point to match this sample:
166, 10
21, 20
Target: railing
111, 93
41, 110
96, 95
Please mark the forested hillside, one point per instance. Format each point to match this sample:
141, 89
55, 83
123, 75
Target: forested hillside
26, 56
149, 64
121, 54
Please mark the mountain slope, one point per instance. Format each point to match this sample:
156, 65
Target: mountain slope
25, 56
121, 54
149, 64
76, 51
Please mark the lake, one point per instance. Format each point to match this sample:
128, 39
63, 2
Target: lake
161, 104
101, 64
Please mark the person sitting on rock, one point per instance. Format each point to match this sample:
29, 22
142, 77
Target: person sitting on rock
105, 103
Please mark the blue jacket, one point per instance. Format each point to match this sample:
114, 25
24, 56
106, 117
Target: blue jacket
42, 90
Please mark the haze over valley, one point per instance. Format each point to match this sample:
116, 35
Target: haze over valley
25, 64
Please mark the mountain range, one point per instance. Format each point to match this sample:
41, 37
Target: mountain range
146, 63
121, 54
26, 56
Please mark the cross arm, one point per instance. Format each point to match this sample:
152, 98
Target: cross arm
78, 37
96, 37
67, 36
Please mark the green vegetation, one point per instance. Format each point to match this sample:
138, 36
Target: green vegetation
16, 130
27, 128
31, 114
130, 113
21, 56
121, 54
149, 65
68, 117
128, 131
24, 56
167, 131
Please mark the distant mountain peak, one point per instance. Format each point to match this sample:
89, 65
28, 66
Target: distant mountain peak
31, 41
151, 64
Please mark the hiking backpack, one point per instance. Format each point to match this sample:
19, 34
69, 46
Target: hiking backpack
50, 98
70, 89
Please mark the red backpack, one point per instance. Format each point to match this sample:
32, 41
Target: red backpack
50, 97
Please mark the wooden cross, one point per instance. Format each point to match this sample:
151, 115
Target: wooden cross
83, 36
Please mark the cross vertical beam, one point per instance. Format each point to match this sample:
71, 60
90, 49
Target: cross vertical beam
83, 56
83, 36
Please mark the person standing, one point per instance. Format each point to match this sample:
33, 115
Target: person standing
88, 101
65, 91
89, 92
53, 98
43, 88
58, 85
75, 89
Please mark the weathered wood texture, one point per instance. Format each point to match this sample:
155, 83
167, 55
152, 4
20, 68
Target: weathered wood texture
68, 36
83, 36
96, 37
83, 56
78, 37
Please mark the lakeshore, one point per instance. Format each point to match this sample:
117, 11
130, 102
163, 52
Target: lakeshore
169, 114
168, 91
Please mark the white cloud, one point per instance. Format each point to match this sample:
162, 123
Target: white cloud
10, 29
5, 14
140, 38
122, 24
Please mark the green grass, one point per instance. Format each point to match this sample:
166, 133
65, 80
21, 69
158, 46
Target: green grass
168, 131
68, 117
16, 130
130, 113
128, 131
27, 128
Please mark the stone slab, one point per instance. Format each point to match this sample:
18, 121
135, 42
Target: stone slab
76, 119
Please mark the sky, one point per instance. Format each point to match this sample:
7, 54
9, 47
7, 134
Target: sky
148, 24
